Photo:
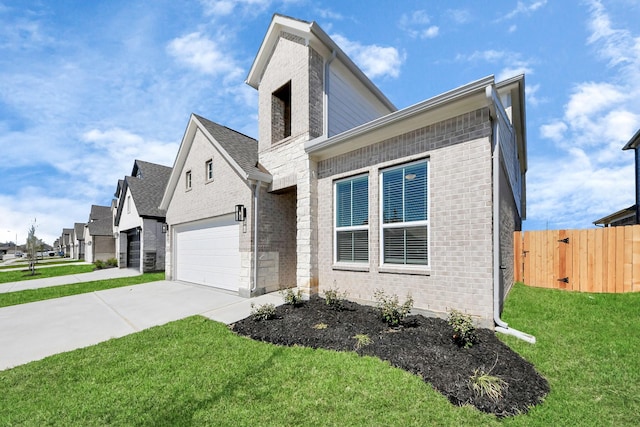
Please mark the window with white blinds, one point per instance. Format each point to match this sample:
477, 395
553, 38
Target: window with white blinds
404, 212
352, 220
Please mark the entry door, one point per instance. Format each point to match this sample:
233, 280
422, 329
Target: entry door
133, 249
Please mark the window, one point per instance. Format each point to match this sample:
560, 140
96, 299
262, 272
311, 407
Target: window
128, 204
187, 180
352, 220
209, 169
281, 113
405, 220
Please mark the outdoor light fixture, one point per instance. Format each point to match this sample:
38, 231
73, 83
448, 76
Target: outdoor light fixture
165, 227
241, 213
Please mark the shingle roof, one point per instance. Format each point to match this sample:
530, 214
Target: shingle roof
78, 229
241, 148
147, 187
100, 221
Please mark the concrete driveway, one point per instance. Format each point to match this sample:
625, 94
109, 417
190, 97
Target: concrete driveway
36, 330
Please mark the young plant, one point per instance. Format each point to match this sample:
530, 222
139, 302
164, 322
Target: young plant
335, 299
292, 297
362, 340
263, 311
391, 311
464, 332
320, 326
484, 384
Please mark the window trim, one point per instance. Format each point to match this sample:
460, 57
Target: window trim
188, 180
408, 268
208, 170
356, 265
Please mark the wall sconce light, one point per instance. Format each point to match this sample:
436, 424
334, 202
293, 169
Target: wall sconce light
165, 227
241, 213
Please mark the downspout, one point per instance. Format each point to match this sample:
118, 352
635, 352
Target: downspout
256, 198
500, 325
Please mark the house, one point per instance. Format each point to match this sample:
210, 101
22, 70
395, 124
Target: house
138, 222
65, 242
343, 190
77, 241
98, 235
630, 215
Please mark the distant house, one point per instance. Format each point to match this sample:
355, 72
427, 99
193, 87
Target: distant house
139, 225
65, 242
77, 241
630, 215
343, 190
98, 235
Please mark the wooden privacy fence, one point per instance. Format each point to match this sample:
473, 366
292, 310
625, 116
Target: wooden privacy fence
592, 260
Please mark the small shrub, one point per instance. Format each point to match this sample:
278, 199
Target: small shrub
99, 264
112, 262
335, 299
482, 383
362, 340
464, 332
391, 311
263, 311
292, 297
320, 326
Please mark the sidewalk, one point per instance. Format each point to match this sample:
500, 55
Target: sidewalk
33, 331
106, 273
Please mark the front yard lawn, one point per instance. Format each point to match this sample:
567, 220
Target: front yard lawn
196, 371
32, 295
43, 273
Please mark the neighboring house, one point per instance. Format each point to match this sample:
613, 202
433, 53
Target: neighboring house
630, 215
98, 235
77, 241
342, 190
138, 222
65, 241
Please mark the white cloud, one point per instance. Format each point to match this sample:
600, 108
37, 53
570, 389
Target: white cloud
460, 16
523, 8
329, 14
554, 131
416, 25
222, 8
511, 62
203, 54
375, 61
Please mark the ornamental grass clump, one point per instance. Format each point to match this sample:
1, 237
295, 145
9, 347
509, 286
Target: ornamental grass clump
484, 384
391, 311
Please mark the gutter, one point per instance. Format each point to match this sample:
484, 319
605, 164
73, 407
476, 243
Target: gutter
500, 325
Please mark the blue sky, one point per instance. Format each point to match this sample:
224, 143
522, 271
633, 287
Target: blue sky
87, 87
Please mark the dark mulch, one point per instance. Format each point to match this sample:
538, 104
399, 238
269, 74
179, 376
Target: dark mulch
421, 345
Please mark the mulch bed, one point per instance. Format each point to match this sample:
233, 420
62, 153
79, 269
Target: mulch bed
421, 345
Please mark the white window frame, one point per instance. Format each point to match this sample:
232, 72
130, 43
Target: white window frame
408, 224
188, 180
208, 170
336, 229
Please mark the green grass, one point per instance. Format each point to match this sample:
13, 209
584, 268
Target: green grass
196, 371
588, 348
32, 295
42, 273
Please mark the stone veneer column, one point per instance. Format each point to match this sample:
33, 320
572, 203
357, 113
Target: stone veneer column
307, 229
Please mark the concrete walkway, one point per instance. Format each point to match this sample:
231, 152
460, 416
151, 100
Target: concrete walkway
36, 330
104, 274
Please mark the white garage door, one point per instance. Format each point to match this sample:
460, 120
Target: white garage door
207, 253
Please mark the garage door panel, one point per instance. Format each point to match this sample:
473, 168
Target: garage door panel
208, 253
